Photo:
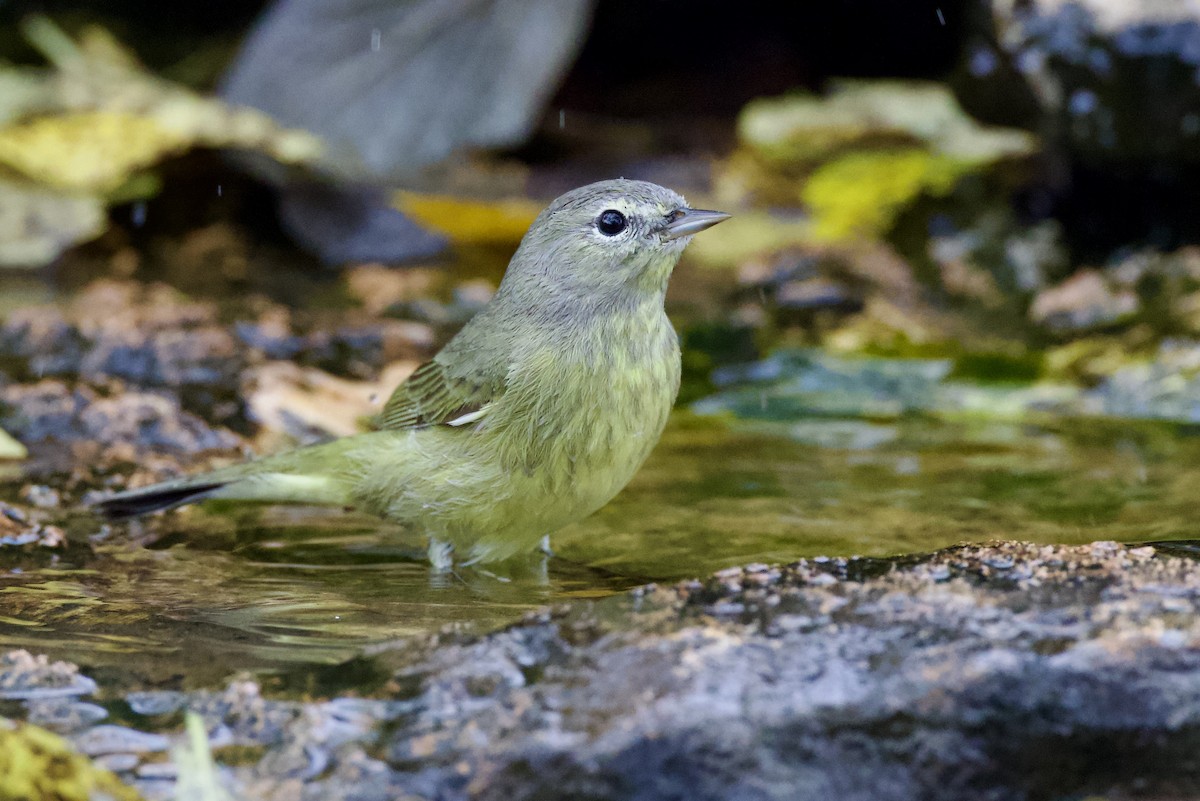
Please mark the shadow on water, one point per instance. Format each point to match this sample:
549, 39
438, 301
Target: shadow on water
290, 591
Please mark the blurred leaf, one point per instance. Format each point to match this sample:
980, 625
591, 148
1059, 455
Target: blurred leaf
38, 223
22, 91
10, 448
861, 193
85, 134
89, 151
404, 84
36, 764
857, 157
197, 772
870, 113
466, 221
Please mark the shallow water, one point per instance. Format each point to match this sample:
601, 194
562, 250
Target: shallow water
287, 591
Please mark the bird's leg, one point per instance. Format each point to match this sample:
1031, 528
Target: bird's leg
441, 555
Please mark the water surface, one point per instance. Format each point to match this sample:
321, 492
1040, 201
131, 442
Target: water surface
290, 590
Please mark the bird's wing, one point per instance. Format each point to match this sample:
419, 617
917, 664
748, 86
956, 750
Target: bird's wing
432, 396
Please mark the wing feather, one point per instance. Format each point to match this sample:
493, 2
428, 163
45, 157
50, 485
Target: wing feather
431, 396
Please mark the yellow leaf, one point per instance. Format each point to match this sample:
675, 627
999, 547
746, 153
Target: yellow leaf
35, 764
10, 448
466, 221
860, 194
91, 151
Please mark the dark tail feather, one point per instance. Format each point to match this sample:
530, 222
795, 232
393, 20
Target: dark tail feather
154, 499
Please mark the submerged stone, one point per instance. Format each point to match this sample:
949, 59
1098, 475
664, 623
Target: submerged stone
25, 676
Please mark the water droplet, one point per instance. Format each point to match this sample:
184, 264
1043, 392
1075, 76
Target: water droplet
941, 17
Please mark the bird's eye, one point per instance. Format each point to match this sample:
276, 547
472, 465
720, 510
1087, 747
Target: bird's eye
611, 222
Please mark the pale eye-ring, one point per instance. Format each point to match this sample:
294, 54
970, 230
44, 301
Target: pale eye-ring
611, 222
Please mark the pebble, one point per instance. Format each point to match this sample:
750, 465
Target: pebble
111, 739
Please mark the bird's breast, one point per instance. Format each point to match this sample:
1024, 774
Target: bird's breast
585, 410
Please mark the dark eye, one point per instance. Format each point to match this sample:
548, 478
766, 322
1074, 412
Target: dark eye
611, 222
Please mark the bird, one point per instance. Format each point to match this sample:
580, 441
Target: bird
533, 416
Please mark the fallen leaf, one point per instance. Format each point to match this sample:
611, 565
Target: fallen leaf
467, 221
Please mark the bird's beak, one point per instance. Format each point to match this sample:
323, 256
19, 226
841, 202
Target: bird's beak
692, 221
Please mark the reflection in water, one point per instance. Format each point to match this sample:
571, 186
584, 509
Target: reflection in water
296, 588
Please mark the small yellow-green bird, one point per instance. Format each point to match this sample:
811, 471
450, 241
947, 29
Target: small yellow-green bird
533, 416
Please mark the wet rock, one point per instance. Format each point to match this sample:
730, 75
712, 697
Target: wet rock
925, 681
41, 496
51, 411
118, 763
1111, 79
796, 283
18, 533
1165, 388
342, 225
816, 294
993, 252
927, 677
110, 739
468, 299
799, 384
158, 771
1085, 301
355, 351
25, 676
360, 351
160, 702
148, 336
248, 717
1167, 284
64, 715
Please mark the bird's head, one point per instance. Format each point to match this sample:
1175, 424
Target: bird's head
609, 237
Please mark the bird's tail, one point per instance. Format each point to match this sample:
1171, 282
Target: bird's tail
293, 477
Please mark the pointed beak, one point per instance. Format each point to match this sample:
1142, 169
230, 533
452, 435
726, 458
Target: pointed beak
692, 221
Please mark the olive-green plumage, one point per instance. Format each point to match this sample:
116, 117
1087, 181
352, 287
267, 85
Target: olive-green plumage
536, 414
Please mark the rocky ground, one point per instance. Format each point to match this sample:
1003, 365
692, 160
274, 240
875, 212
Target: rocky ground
1001, 671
